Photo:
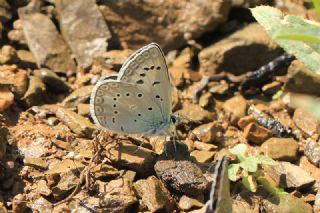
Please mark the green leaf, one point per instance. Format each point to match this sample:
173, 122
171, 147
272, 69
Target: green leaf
316, 4
280, 26
250, 183
233, 171
278, 95
250, 164
239, 150
266, 160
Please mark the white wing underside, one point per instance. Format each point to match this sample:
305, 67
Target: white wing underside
139, 99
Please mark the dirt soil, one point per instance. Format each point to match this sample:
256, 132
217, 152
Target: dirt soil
53, 158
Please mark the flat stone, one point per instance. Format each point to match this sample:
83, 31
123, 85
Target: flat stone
42, 188
235, 108
44, 41
83, 28
306, 121
52, 80
83, 109
116, 195
244, 121
176, 21
256, 133
35, 93
17, 77
174, 173
271, 88
6, 98
130, 156
103, 171
153, 194
187, 203
42, 205
35, 162
204, 146
289, 175
77, 123
313, 170
196, 113
207, 133
115, 58
8, 55
231, 53
285, 149
312, 151
26, 59
80, 95
302, 80
203, 156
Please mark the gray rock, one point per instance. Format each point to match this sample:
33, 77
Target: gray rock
77, 123
170, 23
44, 41
84, 29
153, 194
231, 54
177, 170
312, 151
289, 175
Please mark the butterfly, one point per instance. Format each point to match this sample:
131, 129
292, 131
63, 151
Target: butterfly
138, 99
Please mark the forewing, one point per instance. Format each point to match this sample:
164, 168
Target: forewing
147, 69
123, 107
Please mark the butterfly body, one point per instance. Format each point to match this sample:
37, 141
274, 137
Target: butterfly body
138, 99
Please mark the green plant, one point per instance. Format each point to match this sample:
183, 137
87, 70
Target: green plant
298, 36
248, 168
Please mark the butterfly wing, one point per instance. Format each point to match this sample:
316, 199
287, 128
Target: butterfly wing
147, 69
123, 107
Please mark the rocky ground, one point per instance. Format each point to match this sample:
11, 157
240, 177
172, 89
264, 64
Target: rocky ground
54, 159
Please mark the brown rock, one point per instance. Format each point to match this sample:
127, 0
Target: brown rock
306, 121
3, 208
187, 203
44, 41
205, 100
302, 80
235, 107
281, 149
42, 188
207, 133
35, 162
77, 123
116, 195
79, 95
244, 121
138, 159
35, 92
231, 53
83, 28
52, 80
5, 11
271, 88
83, 109
195, 113
203, 156
8, 55
6, 98
18, 203
305, 164
17, 77
176, 21
115, 58
153, 194
289, 175
256, 133
204, 146
26, 59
